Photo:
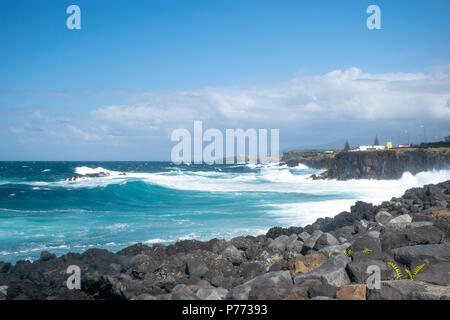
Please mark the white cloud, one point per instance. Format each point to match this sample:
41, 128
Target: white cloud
335, 96
84, 135
350, 101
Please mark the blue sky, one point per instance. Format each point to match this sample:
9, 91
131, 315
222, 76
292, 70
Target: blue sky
136, 70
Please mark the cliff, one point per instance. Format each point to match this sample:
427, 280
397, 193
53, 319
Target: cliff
387, 164
317, 159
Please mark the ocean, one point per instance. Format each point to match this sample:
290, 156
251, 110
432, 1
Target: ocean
159, 202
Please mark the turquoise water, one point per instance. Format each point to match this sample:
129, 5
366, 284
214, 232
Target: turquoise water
159, 202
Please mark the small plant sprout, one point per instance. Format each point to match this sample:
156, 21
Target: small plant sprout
348, 253
366, 250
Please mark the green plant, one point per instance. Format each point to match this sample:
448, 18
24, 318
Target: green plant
347, 146
397, 270
412, 275
348, 252
330, 254
366, 250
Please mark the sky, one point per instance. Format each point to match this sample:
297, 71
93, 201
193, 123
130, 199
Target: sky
137, 70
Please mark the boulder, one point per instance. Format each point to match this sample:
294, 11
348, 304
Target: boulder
212, 293
304, 264
242, 243
410, 237
335, 249
232, 254
195, 267
443, 224
3, 291
279, 243
404, 218
4, 267
382, 217
317, 287
303, 236
242, 291
142, 264
325, 240
252, 269
277, 292
311, 241
357, 269
292, 243
333, 270
438, 273
432, 253
408, 290
323, 298
352, 292
144, 296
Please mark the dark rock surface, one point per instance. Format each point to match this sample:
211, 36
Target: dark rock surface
387, 164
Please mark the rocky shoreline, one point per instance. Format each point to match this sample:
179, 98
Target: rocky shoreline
407, 239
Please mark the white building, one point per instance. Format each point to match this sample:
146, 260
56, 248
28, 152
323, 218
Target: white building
367, 148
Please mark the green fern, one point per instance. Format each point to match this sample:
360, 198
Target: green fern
416, 270
366, 250
410, 275
330, 254
397, 270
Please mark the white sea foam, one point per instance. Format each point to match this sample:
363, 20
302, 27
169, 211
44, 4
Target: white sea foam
86, 170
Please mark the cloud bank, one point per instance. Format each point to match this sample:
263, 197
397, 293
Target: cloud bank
334, 99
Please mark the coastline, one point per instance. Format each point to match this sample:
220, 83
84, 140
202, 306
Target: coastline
285, 263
